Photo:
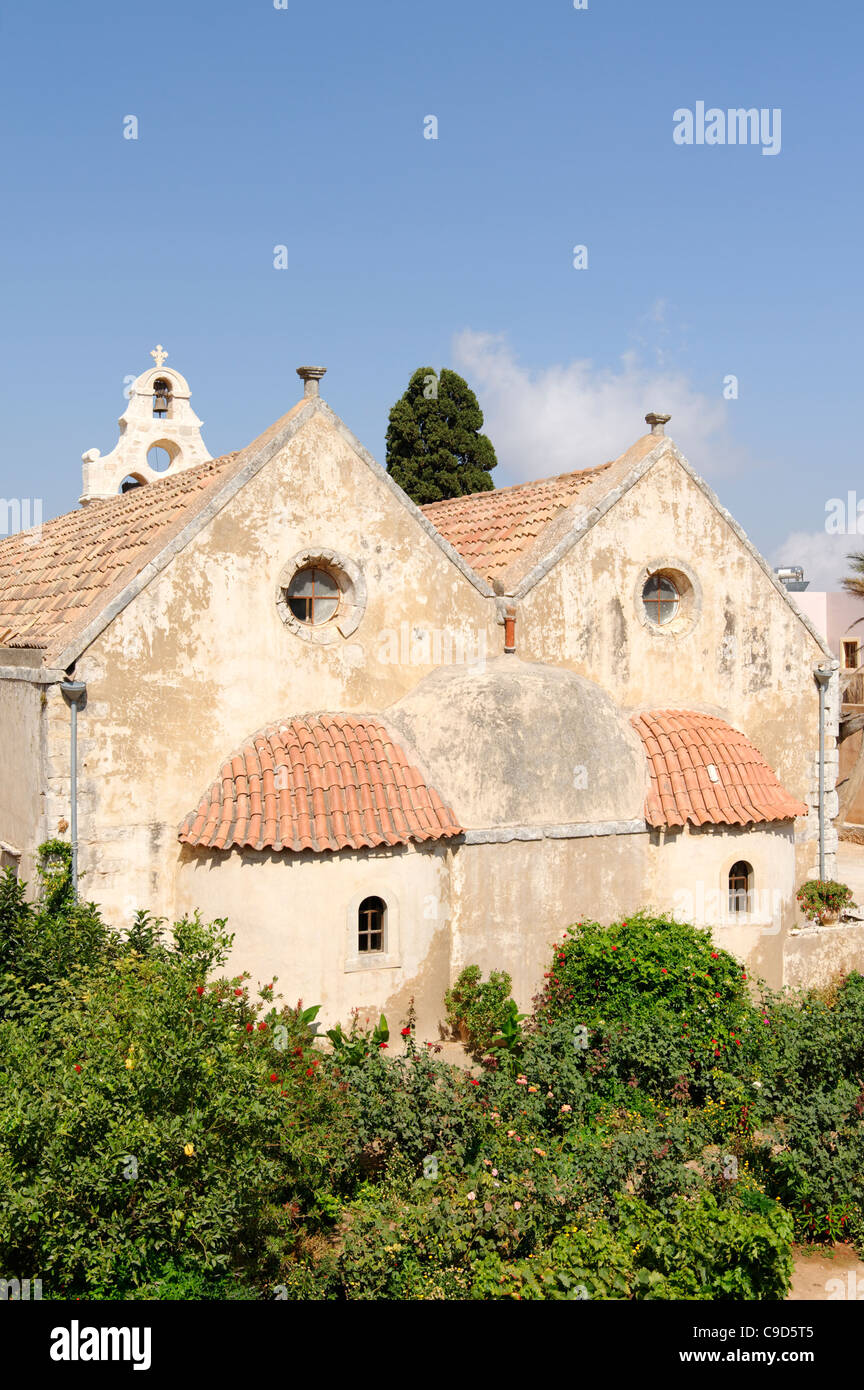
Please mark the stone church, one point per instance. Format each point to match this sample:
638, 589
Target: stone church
386, 741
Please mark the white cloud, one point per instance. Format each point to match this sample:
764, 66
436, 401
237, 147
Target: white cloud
578, 415
823, 557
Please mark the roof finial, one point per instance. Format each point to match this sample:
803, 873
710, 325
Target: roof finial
657, 422
158, 354
310, 376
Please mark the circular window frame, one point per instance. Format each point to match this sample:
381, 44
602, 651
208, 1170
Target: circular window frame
350, 605
689, 592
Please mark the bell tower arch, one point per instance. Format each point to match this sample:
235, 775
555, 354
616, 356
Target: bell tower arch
160, 435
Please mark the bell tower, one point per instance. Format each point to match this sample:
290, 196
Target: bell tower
160, 434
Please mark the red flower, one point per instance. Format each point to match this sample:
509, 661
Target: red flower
473, 1081
663, 970
261, 1027
715, 955
248, 1027
614, 948
405, 1032
632, 960
716, 1054
716, 996
310, 1071
238, 992
382, 1044
199, 990
273, 1076
77, 1068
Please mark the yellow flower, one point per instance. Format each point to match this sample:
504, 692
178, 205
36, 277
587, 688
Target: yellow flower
129, 1064
188, 1150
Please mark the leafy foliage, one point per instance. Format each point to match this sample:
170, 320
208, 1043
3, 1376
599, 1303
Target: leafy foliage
657, 1129
821, 899
434, 445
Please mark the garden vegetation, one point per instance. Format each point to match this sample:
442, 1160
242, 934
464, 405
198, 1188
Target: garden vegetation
657, 1128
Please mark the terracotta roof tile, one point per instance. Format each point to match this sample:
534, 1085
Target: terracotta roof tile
341, 782
492, 529
680, 746
55, 580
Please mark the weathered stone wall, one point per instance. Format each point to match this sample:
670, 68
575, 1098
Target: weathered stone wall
20, 769
202, 658
295, 916
739, 650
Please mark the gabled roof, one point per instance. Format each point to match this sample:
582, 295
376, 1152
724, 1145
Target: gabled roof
682, 745
51, 580
321, 782
61, 585
492, 529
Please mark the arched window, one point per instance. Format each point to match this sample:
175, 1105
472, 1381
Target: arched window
371, 925
130, 482
740, 887
161, 397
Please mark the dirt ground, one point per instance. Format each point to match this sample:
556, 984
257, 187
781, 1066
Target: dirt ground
814, 1273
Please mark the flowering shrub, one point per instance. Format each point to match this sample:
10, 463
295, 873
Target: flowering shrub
824, 899
654, 1131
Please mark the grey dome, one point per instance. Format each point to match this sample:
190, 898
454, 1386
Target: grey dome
517, 743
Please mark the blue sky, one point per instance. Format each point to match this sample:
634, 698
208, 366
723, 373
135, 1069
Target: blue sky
304, 127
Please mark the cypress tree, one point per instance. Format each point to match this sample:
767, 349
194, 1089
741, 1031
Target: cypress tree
434, 445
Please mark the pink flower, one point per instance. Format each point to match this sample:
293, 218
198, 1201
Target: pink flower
472, 1196
516, 1206
565, 1109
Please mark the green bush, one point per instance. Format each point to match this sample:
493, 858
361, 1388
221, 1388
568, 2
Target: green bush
482, 1008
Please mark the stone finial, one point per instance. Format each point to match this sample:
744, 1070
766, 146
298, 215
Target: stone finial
657, 422
158, 354
310, 376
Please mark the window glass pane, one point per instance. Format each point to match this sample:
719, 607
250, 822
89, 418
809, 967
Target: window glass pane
324, 609
325, 583
303, 583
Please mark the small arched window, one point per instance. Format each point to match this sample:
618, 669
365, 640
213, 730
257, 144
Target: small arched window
371, 925
740, 887
161, 397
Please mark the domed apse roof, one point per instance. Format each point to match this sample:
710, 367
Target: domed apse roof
518, 743
321, 782
706, 772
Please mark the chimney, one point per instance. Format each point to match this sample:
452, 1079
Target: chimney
657, 422
310, 376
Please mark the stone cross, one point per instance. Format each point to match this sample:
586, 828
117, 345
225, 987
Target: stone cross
159, 354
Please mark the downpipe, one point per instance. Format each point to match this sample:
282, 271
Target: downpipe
823, 675
74, 693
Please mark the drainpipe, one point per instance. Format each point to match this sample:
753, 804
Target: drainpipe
74, 693
823, 675
510, 628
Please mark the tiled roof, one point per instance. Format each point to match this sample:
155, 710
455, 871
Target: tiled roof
492, 529
54, 581
682, 745
322, 782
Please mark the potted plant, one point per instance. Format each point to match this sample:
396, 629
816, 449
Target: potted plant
823, 900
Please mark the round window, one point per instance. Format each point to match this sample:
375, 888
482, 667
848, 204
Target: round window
313, 596
660, 599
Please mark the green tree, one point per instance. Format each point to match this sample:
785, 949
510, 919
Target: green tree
434, 445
